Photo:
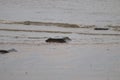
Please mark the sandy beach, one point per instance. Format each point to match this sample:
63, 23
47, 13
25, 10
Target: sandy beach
92, 54
61, 62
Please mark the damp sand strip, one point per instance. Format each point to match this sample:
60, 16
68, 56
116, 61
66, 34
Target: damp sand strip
65, 25
35, 31
59, 32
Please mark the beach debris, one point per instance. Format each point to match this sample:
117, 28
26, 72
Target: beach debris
87, 26
101, 28
113, 26
7, 51
58, 40
27, 22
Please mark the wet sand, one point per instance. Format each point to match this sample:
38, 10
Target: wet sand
61, 62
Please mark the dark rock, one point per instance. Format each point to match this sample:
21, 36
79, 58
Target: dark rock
7, 51
58, 40
101, 28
